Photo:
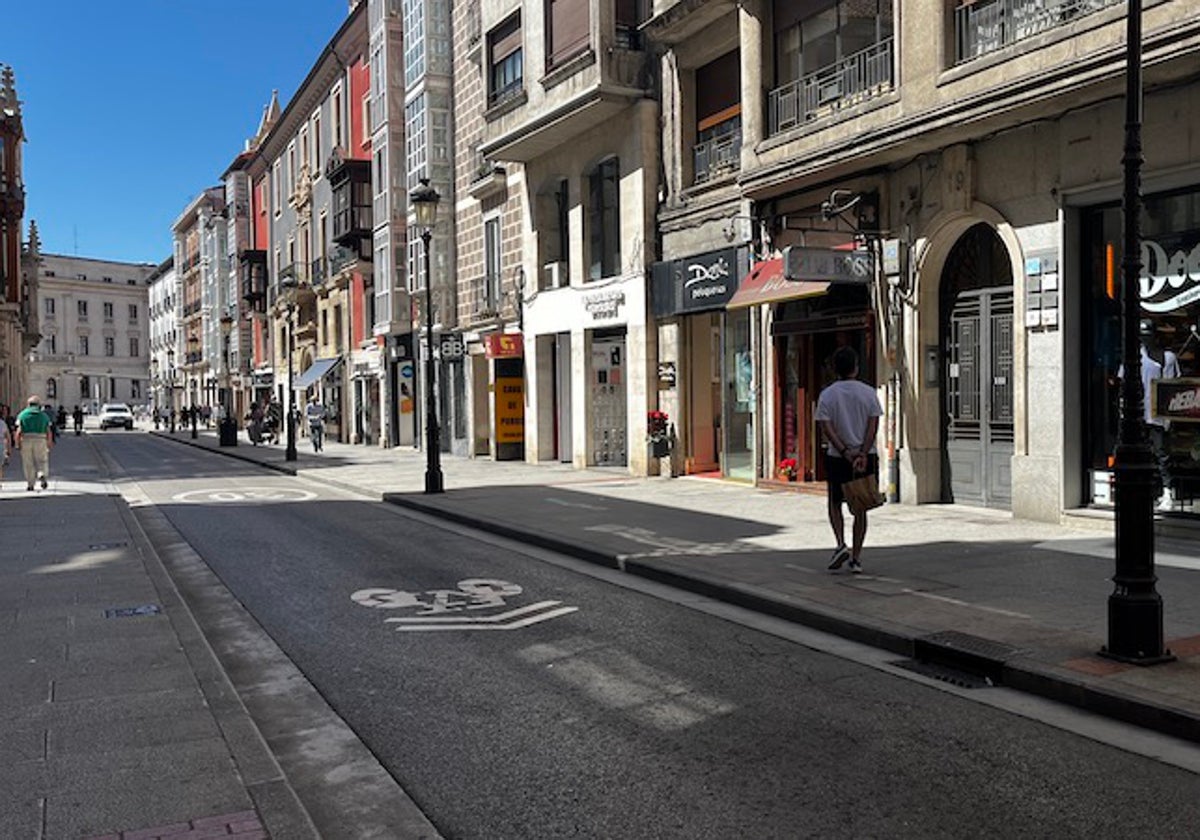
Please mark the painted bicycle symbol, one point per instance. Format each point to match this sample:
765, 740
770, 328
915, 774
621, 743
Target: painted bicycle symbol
445, 609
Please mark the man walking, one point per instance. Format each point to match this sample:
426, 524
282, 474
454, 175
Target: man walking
35, 440
315, 412
849, 412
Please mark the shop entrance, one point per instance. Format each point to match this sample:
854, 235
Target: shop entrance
977, 373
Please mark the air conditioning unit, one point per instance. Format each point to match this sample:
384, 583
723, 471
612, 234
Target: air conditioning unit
555, 275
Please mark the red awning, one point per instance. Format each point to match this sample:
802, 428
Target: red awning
766, 284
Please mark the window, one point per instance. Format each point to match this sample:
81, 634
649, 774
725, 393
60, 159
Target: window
414, 138
85, 386
562, 209
604, 220
133, 347
106, 279
316, 145
135, 389
324, 326
335, 111
337, 326
83, 345
291, 174
491, 265
108, 310
110, 346
304, 154
718, 117
49, 305
568, 30
806, 44
133, 313
81, 309
414, 40
505, 62
366, 119
51, 389
52, 344
277, 186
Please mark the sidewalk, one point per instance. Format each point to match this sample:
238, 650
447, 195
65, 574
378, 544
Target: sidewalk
1021, 603
115, 719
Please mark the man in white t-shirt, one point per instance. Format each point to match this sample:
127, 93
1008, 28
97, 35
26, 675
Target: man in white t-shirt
849, 412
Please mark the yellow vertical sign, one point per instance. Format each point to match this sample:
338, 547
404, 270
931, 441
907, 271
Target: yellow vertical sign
510, 409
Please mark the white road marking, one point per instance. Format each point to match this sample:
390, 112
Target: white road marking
673, 546
484, 619
583, 505
242, 495
525, 622
959, 603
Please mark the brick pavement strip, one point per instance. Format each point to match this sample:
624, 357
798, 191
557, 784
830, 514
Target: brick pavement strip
243, 825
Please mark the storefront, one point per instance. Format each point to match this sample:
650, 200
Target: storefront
1170, 314
689, 297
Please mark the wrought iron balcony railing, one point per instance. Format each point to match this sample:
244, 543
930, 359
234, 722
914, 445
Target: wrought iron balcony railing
718, 155
857, 77
984, 27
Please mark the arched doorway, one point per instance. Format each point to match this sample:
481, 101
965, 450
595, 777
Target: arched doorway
977, 373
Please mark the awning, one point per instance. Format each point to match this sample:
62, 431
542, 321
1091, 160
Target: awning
316, 371
766, 284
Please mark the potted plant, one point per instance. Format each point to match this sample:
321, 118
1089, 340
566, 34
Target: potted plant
787, 468
657, 434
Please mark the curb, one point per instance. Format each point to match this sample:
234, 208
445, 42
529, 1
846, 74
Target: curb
226, 451
1003, 665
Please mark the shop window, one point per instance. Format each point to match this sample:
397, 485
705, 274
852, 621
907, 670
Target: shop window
604, 220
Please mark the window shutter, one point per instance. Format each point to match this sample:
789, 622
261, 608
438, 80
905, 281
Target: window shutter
506, 39
569, 25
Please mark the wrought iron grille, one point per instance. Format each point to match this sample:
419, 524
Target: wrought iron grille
718, 155
985, 27
857, 77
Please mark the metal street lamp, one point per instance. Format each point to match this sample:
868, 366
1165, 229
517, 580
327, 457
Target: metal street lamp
227, 427
288, 289
1135, 609
193, 357
425, 202
171, 386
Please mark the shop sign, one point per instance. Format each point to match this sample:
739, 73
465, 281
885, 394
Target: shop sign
604, 305
694, 284
452, 347
509, 395
1168, 283
1176, 399
504, 345
831, 264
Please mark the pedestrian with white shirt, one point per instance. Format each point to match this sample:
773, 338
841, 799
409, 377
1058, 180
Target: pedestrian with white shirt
848, 411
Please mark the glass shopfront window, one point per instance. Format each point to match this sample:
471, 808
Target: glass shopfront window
1170, 314
739, 396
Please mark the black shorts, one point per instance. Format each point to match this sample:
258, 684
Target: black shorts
838, 471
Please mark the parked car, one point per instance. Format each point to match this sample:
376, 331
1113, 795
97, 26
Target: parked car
116, 414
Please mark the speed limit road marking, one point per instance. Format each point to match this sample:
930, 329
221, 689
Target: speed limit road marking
244, 495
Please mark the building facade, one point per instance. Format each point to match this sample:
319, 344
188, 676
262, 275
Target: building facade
196, 233
162, 295
570, 92
18, 278
95, 345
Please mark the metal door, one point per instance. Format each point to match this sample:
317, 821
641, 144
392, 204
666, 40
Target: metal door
979, 389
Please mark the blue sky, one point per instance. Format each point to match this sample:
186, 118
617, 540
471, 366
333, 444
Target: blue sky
132, 107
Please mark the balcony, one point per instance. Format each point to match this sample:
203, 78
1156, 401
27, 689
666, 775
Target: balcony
319, 274
252, 267
717, 156
582, 94
341, 260
856, 78
353, 218
488, 179
984, 27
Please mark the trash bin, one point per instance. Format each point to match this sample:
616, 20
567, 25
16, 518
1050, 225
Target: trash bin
227, 431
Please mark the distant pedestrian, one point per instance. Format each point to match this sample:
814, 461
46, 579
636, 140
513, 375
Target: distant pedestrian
61, 420
6, 446
53, 423
35, 440
77, 419
849, 412
315, 413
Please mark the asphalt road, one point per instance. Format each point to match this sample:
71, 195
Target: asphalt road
627, 716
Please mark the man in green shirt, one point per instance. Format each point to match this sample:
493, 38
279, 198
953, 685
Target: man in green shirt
35, 441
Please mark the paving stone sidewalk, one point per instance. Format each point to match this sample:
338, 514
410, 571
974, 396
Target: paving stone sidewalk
113, 714
1022, 603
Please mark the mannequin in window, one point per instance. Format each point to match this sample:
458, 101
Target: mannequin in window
1157, 363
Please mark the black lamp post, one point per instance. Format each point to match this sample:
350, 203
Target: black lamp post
425, 202
1135, 609
288, 289
193, 357
171, 387
227, 428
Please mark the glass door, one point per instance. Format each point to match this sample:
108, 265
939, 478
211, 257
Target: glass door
738, 443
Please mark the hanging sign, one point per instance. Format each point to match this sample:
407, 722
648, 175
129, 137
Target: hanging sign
831, 264
504, 345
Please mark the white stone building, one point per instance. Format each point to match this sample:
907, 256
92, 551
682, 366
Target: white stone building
165, 348
95, 345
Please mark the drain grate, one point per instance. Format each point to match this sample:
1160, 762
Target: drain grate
129, 612
962, 679
106, 546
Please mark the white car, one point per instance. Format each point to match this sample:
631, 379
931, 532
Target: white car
116, 414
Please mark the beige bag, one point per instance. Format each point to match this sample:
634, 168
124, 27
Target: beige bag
862, 494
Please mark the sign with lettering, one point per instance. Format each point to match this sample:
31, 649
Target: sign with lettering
452, 346
695, 284
1168, 282
604, 305
504, 345
509, 396
1176, 399
836, 266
